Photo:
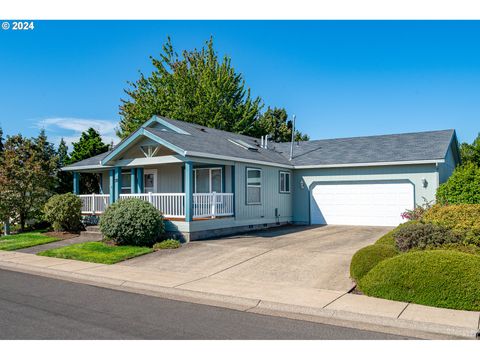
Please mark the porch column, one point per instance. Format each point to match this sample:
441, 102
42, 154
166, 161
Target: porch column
232, 174
76, 183
188, 191
118, 182
140, 180
133, 180
111, 175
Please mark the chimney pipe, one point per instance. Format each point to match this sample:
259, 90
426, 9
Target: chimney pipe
266, 141
293, 137
261, 141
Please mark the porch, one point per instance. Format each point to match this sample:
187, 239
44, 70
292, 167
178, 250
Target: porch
171, 205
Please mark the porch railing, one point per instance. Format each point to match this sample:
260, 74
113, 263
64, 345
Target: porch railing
172, 205
212, 205
94, 203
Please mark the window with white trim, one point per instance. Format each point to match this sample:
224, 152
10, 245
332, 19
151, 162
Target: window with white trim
284, 181
207, 180
126, 183
254, 186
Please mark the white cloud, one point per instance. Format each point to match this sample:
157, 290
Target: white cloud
70, 129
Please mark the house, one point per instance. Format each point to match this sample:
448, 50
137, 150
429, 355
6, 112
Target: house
209, 182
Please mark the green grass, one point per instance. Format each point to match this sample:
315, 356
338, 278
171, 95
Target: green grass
441, 278
97, 252
24, 240
167, 244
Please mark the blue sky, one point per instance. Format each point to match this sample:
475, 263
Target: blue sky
341, 78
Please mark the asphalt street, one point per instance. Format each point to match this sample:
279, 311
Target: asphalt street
35, 307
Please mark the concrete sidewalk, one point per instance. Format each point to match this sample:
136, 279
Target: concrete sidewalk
324, 306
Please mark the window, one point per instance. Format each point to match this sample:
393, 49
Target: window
284, 182
126, 183
150, 180
254, 186
207, 180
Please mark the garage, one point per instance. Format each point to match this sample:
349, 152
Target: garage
374, 204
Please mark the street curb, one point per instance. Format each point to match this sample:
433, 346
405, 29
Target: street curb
423, 330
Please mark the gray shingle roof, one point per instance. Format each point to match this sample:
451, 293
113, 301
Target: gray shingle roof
217, 142
429, 145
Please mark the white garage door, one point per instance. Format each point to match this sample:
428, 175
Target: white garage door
361, 204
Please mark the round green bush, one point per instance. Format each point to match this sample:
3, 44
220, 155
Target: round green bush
132, 222
462, 219
421, 236
368, 257
463, 187
64, 212
441, 278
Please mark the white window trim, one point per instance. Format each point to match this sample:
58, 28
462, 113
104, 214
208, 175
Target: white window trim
257, 186
129, 182
209, 178
281, 172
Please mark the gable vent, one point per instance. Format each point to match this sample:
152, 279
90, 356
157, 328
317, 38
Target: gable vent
243, 144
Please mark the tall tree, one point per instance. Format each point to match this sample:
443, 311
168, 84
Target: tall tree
196, 87
64, 178
470, 153
25, 179
274, 122
1, 141
90, 144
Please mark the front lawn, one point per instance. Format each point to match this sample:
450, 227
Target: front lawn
25, 240
97, 252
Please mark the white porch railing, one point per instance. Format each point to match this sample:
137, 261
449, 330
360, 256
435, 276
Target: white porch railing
172, 205
94, 203
212, 205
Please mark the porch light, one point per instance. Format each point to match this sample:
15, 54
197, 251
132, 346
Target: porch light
424, 182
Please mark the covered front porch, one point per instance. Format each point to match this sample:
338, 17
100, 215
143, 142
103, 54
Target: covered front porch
181, 191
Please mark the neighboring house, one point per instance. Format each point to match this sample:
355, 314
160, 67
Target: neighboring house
209, 182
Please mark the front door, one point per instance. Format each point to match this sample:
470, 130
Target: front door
150, 180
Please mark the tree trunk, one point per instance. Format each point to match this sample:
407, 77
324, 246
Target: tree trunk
22, 223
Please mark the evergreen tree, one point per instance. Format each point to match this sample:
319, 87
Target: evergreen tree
64, 178
274, 122
90, 144
196, 87
470, 153
1, 142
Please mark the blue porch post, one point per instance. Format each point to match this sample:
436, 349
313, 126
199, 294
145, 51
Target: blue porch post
188, 191
140, 180
76, 183
133, 180
111, 175
232, 174
118, 182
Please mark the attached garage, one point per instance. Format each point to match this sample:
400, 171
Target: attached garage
360, 203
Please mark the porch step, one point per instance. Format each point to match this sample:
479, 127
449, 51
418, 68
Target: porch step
92, 233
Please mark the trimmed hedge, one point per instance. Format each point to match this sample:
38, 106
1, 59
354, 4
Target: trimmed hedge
441, 278
64, 212
421, 236
132, 222
463, 187
462, 219
368, 257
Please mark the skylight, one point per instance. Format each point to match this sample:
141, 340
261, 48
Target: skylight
243, 144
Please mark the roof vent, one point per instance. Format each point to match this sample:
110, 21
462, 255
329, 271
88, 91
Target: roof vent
243, 144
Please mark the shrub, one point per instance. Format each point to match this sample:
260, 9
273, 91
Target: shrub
368, 257
64, 212
462, 219
388, 238
417, 212
167, 244
421, 236
131, 222
463, 187
448, 279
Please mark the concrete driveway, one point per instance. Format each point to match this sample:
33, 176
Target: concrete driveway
293, 256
